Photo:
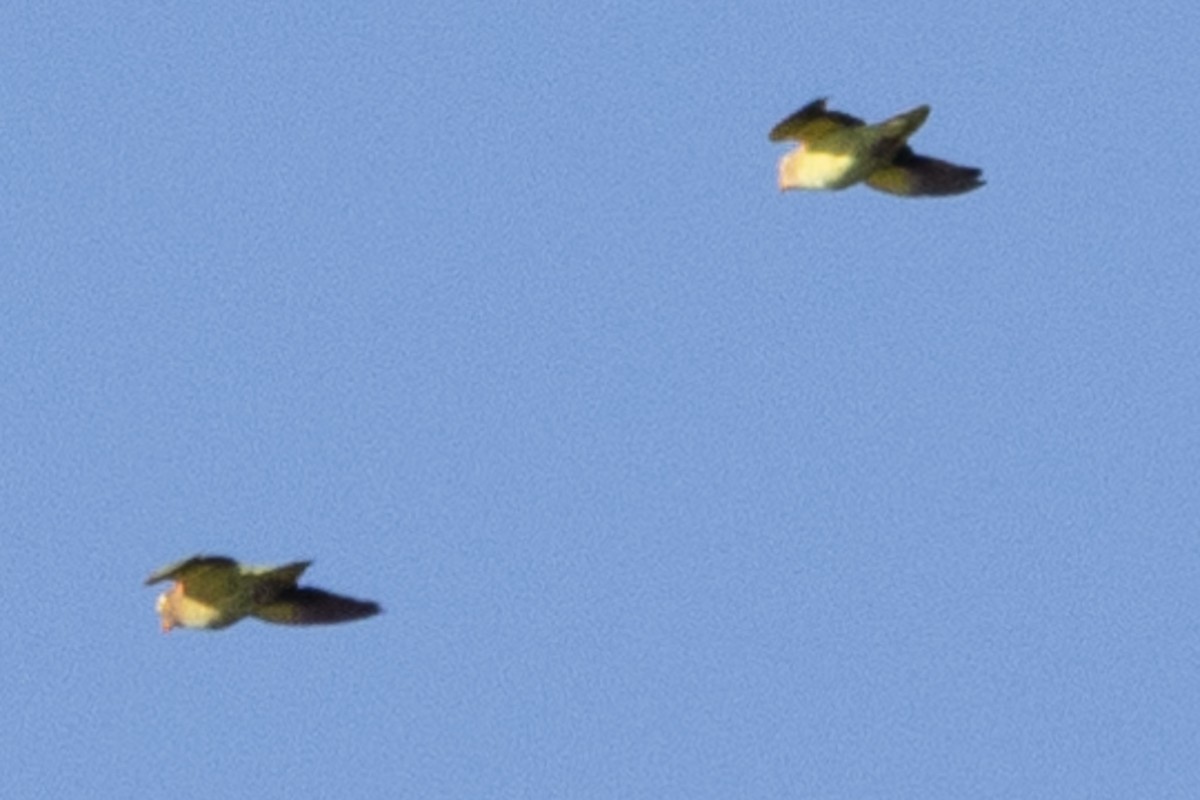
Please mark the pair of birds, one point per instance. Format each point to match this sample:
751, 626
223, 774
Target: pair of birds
835, 151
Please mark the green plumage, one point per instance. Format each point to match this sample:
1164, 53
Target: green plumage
837, 150
214, 592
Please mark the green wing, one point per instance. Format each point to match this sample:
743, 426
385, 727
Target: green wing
188, 567
264, 584
812, 122
212, 580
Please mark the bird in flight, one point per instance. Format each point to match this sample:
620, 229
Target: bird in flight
214, 592
837, 150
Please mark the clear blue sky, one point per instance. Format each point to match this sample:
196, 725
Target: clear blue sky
672, 486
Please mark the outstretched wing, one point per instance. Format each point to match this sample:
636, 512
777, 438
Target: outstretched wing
213, 581
812, 122
911, 175
308, 606
181, 570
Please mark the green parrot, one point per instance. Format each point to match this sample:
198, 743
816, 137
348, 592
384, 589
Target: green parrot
837, 150
214, 592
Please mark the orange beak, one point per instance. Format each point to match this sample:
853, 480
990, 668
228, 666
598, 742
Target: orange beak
163, 607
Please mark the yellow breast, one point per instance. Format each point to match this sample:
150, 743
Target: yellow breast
803, 169
176, 608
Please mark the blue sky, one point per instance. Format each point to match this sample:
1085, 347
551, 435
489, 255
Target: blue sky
672, 486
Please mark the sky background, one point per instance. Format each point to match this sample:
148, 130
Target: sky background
671, 486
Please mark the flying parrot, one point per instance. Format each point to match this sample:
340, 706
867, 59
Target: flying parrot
837, 150
213, 592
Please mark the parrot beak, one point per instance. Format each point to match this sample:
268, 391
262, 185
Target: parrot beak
162, 607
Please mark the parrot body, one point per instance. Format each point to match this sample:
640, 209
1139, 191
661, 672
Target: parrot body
836, 150
214, 592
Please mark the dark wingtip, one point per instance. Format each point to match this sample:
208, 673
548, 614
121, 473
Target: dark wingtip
937, 178
308, 606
